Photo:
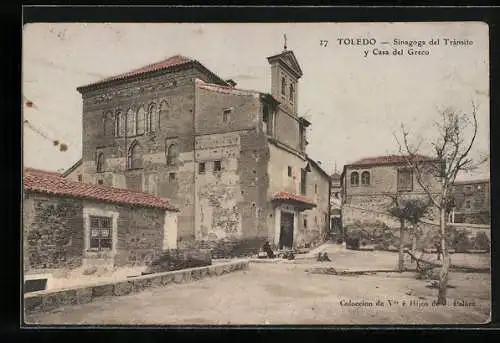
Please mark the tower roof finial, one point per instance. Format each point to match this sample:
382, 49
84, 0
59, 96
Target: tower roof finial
284, 37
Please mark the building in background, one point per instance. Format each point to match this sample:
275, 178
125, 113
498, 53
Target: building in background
232, 160
471, 202
370, 184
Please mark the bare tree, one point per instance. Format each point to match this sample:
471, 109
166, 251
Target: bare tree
407, 211
456, 133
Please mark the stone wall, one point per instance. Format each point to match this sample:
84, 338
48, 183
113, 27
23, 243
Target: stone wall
49, 300
384, 179
140, 235
56, 233
52, 232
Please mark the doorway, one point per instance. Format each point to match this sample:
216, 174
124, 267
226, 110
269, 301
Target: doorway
286, 230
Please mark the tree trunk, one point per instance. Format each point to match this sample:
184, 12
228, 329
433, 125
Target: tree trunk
401, 260
443, 275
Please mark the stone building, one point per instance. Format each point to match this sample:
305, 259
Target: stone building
234, 161
69, 225
369, 185
472, 202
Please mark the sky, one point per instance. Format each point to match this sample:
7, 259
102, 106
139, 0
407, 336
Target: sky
356, 103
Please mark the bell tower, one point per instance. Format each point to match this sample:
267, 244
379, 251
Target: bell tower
285, 75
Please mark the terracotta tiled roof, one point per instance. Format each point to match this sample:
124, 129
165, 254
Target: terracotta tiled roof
293, 196
232, 90
42, 172
169, 62
50, 183
390, 159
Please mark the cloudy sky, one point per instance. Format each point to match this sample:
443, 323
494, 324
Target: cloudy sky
355, 103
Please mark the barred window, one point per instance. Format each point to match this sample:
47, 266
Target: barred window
100, 233
217, 166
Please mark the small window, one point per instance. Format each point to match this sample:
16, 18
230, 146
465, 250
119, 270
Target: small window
289, 171
292, 93
225, 114
201, 168
354, 179
316, 188
172, 154
283, 86
365, 178
80, 177
100, 233
217, 166
100, 162
100, 182
171, 177
468, 189
337, 195
467, 204
305, 223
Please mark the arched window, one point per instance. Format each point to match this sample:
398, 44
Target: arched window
283, 86
117, 124
150, 119
100, 162
108, 123
162, 113
172, 154
134, 156
354, 179
365, 178
141, 117
122, 119
292, 92
131, 123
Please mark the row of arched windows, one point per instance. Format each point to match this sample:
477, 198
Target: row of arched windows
134, 156
134, 122
365, 178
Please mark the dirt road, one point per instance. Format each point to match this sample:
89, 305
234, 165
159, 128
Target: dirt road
286, 294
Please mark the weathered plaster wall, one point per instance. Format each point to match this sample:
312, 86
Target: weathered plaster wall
230, 202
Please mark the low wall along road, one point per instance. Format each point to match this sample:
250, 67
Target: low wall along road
50, 299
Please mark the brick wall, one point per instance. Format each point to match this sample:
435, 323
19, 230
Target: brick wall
173, 96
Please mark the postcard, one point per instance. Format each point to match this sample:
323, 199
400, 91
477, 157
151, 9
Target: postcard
256, 173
